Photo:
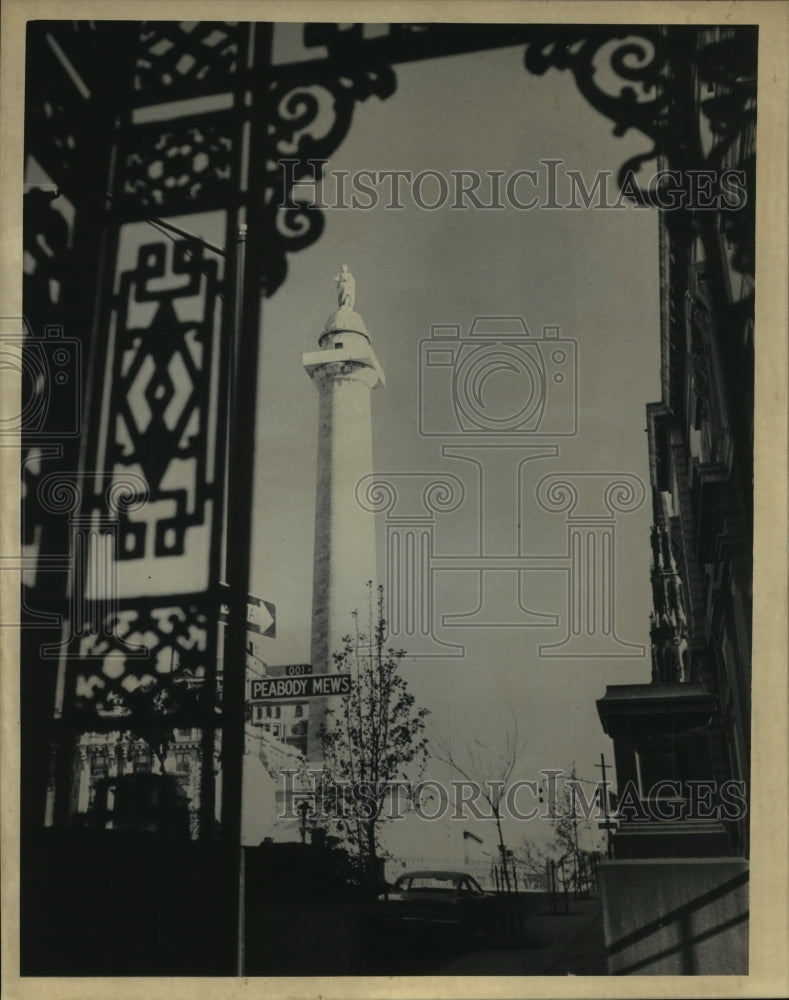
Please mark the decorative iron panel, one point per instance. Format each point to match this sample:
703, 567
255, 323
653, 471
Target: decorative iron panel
160, 400
175, 635
185, 59
183, 165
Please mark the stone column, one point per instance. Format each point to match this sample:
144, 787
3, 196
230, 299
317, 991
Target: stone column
344, 371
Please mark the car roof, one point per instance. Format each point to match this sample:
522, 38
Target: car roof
433, 873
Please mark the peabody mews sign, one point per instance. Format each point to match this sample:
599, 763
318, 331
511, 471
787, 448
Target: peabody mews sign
314, 686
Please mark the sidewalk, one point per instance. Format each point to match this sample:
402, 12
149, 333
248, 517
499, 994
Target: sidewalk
557, 945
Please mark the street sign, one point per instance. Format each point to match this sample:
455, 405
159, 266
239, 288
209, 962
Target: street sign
261, 616
309, 686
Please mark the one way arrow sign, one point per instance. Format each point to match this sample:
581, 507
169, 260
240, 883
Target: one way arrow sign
261, 616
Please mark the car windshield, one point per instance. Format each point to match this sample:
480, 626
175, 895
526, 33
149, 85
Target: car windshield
436, 883
433, 882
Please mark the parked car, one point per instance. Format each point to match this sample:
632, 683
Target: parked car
449, 899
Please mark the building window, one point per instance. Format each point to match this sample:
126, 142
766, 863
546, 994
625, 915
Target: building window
277, 712
99, 766
141, 761
182, 759
298, 712
268, 711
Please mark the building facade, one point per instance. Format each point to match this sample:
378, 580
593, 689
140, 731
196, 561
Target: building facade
683, 741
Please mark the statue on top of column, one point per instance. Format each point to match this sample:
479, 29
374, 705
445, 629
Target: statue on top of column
346, 287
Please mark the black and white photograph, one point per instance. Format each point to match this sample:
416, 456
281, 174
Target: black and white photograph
386, 425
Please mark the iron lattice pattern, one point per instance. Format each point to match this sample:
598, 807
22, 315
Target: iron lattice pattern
178, 166
174, 637
185, 59
159, 407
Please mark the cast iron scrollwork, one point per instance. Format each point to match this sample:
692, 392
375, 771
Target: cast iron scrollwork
619, 70
649, 79
298, 143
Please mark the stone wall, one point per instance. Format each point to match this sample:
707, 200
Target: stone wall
685, 916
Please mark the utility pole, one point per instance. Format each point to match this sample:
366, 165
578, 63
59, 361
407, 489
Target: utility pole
576, 852
234, 674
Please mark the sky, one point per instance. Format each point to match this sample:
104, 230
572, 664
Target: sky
592, 273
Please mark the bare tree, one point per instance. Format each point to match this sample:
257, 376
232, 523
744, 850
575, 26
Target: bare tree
570, 821
572, 824
489, 767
